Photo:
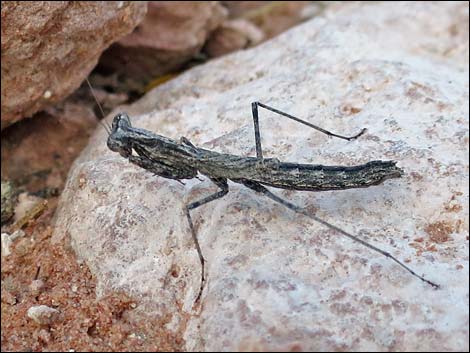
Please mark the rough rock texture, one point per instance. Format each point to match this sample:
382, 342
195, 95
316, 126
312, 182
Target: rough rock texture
49, 47
170, 35
276, 280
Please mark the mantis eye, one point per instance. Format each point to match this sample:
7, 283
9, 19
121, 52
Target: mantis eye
121, 120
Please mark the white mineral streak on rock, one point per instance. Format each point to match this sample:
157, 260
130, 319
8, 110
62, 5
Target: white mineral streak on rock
277, 280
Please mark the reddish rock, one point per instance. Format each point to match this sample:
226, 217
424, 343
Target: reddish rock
240, 8
273, 17
251, 22
49, 47
233, 35
171, 34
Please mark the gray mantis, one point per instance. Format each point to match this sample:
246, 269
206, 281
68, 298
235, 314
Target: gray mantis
181, 159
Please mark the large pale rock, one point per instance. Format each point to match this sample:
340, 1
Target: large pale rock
49, 47
277, 280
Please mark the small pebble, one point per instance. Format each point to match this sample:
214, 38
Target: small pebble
43, 314
6, 243
7, 240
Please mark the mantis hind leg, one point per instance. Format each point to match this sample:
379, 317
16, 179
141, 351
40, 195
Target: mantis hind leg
223, 185
261, 189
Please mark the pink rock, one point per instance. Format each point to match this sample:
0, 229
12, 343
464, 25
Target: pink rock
172, 33
233, 35
272, 17
48, 48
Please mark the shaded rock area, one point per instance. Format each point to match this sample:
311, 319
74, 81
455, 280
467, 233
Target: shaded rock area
48, 48
37, 153
276, 280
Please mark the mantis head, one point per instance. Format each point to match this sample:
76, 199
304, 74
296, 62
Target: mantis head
118, 140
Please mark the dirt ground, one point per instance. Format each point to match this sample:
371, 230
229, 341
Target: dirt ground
85, 323
38, 272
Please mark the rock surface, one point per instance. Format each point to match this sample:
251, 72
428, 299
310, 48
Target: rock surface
48, 48
276, 280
